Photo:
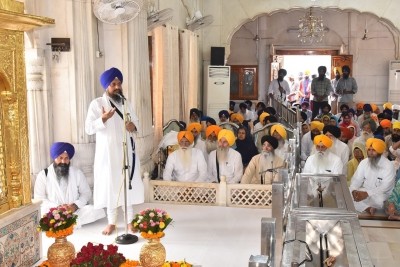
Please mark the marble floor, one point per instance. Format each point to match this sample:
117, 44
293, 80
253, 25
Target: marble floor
228, 238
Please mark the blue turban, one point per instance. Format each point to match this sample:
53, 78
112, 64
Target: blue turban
109, 75
59, 147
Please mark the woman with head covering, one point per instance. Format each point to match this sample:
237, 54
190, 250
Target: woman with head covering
245, 146
359, 153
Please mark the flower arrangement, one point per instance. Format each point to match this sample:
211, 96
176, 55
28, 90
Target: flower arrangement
58, 222
98, 255
130, 263
151, 222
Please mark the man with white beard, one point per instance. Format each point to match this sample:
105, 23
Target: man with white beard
338, 147
368, 127
307, 141
279, 132
323, 161
198, 143
187, 164
261, 169
211, 137
373, 180
225, 161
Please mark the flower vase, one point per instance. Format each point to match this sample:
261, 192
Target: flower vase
61, 252
152, 254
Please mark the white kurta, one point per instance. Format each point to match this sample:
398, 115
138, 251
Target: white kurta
232, 169
274, 89
76, 190
341, 150
174, 170
334, 164
201, 145
306, 146
108, 161
377, 182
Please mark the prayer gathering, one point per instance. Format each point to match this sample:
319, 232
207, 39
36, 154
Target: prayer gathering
162, 133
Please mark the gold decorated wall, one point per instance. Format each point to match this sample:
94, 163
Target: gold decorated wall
15, 185
14, 160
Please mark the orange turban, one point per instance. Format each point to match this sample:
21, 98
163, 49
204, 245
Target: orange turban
228, 135
396, 125
194, 125
212, 129
316, 125
386, 123
360, 105
262, 117
346, 133
387, 105
374, 107
187, 134
377, 144
325, 140
237, 116
280, 129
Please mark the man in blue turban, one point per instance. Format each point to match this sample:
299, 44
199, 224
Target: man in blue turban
63, 185
105, 118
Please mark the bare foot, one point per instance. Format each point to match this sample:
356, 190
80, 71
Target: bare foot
130, 228
371, 210
109, 229
394, 217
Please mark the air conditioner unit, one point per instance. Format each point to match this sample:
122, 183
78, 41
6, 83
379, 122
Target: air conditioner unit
394, 81
217, 93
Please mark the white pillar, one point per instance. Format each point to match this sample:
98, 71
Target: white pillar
262, 59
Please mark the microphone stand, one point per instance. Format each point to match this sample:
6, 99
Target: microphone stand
125, 239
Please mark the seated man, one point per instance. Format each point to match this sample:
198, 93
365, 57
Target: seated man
279, 132
373, 180
211, 137
63, 185
198, 143
186, 164
307, 141
323, 161
225, 160
261, 169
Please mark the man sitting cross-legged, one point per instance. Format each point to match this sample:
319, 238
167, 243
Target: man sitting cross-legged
63, 185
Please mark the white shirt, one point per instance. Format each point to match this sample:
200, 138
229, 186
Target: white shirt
306, 146
54, 193
377, 182
274, 89
175, 171
108, 160
232, 168
333, 164
342, 151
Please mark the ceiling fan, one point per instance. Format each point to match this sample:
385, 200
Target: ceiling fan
255, 37
365, 35
116, 11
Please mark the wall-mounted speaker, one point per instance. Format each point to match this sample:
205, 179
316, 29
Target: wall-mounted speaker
217, 56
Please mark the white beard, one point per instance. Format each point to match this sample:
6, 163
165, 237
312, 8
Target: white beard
185, 157
266, 160
366, 135
322, 163
222, 154
211, 145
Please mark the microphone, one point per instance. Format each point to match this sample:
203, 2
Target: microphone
121, 96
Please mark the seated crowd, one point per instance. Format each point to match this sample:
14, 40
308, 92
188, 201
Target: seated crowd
330, 143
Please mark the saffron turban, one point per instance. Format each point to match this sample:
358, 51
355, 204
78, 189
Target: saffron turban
377, 144
187, 134
271, 140
228, 135
334, 130
307, 73
238, 117
212, 129
346, 133
325, 140
194, 125
58, 148
262, 117
360, 105
316, 125
280, 129
387, 105
386, 123
374, 107
395, 107
396, 125
109, 75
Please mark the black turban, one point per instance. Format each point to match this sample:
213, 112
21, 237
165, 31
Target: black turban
334, 130
271, 140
